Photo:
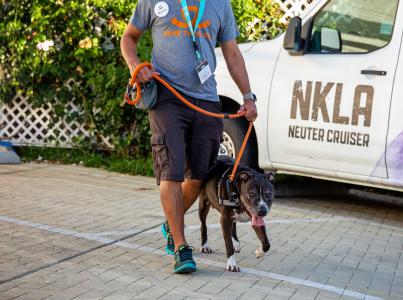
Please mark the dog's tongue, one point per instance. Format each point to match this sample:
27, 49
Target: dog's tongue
257, 221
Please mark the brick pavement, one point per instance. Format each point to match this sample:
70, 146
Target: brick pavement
56, 220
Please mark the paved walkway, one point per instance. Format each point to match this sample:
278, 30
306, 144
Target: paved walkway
72, 232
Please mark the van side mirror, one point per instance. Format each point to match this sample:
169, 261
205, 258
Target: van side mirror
292, 39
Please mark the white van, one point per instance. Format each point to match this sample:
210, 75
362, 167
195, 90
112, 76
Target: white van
330, 95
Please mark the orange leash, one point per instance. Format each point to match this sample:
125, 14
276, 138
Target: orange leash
191, 105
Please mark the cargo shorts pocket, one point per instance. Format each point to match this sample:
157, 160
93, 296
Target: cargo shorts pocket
159, 152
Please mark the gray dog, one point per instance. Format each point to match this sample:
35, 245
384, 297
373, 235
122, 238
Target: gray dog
254, 192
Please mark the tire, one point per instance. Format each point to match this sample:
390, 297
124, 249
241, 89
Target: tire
234, 133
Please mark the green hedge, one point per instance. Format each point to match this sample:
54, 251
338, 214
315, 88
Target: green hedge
257, 19
45, 43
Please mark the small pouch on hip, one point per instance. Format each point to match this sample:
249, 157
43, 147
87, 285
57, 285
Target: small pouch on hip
148, 95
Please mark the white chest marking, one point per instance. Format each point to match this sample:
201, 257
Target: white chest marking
243, 217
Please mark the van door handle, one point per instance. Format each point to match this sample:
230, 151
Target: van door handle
374, 72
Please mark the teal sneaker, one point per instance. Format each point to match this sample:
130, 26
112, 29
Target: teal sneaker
166, 232
184, 262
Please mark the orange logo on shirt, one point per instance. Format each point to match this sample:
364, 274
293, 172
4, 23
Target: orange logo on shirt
183, 25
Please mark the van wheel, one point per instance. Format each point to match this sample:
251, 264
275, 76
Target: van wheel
233, 135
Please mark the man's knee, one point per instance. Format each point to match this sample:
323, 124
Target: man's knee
195, 184
171, 188
191, 190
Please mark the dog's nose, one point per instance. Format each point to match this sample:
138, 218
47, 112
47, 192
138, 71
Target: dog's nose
262, 212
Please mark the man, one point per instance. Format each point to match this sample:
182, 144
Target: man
185, 142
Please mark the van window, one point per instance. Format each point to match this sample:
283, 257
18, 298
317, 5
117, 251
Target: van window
359, 26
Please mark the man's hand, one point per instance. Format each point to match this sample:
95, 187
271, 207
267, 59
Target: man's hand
144, 75
249, 107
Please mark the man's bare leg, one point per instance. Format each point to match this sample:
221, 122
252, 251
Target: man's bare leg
191, 190
172, 204
176, 199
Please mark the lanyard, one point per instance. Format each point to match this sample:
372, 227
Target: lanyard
190, 25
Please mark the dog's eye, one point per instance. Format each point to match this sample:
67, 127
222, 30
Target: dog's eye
266, 194
252, 195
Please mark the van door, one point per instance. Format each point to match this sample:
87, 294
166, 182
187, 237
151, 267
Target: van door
394, 151
329, 108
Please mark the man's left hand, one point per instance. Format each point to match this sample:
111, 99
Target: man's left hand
249, 107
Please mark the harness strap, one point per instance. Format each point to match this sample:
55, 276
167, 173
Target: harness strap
232, 198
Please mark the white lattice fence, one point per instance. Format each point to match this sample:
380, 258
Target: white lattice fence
293, 8
23, 124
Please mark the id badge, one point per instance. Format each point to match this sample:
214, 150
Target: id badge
204, 71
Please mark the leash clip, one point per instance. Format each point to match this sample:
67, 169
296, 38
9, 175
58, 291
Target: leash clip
128, 94
196, 47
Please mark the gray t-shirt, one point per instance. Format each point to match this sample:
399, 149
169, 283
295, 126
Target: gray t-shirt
173, 54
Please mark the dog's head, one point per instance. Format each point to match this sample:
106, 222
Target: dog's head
256, 192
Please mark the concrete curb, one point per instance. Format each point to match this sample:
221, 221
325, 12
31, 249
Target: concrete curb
321, 188
365, 195
309, 188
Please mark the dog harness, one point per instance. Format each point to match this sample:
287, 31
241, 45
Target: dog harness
228, 193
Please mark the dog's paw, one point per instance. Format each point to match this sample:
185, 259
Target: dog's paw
232, 266
206, 249
259, 252
237, 245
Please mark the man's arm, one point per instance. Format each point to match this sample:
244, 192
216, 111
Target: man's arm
237, 69
128, 46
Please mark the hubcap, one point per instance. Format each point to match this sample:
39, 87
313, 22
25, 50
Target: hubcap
227, 147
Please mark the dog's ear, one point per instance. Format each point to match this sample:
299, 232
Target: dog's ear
244, 176
270, 177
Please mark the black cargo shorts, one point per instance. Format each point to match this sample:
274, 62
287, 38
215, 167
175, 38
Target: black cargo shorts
184, 142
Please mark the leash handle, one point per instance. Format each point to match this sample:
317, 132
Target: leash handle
133, 81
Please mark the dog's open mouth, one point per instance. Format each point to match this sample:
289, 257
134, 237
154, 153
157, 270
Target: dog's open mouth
257, 221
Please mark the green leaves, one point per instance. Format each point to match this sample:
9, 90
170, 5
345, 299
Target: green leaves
50, 42
46, 44
257, 20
